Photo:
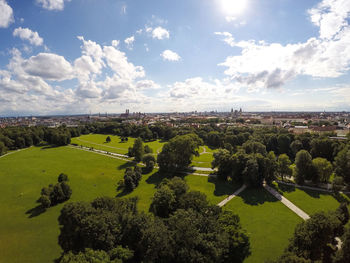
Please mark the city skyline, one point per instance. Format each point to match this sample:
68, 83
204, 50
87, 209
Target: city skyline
75, 56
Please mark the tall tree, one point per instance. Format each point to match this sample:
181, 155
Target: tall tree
304, 168
283, 166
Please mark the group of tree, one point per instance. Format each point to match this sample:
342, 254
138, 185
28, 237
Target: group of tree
177, 154
251, 164
55, 194
12, 138
315, 240
132, 177
138, 150
189, 230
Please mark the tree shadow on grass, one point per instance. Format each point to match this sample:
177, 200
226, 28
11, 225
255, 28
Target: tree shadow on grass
49, 146
124, 192
257, 196
155, 178
36, 211
221, 187
126, 165
314, 194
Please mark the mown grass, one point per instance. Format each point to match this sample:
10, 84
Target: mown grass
268, 222
98, 141
27, 235
308, 200
31, 235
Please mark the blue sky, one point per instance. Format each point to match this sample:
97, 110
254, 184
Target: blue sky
77, 56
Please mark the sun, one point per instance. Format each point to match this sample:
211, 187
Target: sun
233, 7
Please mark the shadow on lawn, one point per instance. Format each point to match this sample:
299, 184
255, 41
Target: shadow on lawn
36, 211
126, 165
257, 196
221, 187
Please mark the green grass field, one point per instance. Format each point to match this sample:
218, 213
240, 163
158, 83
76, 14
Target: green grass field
307, 200
98, 141
25, 236
22, 225
268, 222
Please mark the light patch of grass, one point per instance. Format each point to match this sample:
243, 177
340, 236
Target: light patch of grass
268, 222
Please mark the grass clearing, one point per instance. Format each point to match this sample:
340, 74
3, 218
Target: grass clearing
268, 222
308, 200
27, 235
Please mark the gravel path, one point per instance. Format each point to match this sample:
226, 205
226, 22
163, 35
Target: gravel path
229, 198
287, 203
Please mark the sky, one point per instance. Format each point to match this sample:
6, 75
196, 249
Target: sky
82, 56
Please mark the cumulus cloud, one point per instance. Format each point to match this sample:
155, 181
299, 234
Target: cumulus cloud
29, 35
6, 14
48, 66
129, 42
170, 55
271, 65
52, 4
160, 33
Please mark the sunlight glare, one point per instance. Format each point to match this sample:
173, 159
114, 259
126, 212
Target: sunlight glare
233, 7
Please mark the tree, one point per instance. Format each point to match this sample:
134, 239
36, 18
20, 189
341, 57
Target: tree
343, 255
2, 148
138, 149
337, 183
283, 143
283, 166
296, 146
148, 149
304, 168
149, 160
163, 202
62, 178
322, 147
270, 167
108, 139
177, 154
254, 147
44, 200
312, 238
223, 161
251, 173
323, 169
132, 177
342, 165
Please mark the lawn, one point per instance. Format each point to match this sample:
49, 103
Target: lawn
22, 225
98, 141
307, 200
268, 222
26, 235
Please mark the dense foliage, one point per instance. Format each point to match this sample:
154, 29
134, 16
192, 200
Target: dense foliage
315, 239
191, 231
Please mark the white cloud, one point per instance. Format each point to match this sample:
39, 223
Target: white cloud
48, 66
115, 43
6, 14
27, 34
271, 65
160, 33
129, 42
330, 16
52, 4
170, 55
